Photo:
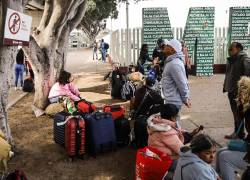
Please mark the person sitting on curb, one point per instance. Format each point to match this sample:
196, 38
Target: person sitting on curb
194, 162
64, 87
151, 101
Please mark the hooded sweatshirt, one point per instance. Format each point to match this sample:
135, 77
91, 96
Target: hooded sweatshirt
163, 136
191, 167
175, 88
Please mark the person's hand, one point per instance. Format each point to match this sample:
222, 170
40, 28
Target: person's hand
188, 103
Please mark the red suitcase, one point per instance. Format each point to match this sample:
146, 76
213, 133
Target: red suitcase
117, 111
75, 136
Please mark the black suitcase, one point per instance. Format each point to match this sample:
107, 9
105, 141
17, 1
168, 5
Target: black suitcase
140, 130
122, 129
116, 84
59, 131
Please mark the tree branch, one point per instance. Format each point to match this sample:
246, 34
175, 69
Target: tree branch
46, 16
78, 16
35, 54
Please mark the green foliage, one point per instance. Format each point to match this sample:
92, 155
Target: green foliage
96, 12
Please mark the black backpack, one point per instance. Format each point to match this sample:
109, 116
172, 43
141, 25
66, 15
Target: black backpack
28, 85
106, 46
16, 175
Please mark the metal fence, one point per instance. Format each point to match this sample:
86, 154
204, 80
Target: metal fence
128, 52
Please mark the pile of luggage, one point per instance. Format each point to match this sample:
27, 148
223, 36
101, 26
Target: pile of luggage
90, 131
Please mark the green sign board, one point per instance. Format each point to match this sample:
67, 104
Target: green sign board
156, 24
239, 25
199, 37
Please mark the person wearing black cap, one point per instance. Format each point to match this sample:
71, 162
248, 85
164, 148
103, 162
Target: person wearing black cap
152, 99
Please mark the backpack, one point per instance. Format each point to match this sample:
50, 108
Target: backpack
84, 106
106, 46
28, 85
128, 90
16, 175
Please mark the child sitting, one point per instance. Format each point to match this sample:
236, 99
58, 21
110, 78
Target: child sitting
163, 133
64, 87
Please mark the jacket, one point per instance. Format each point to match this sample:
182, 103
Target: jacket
164, 136
237, 66
152, 99
191, 167
68, 90
175, 88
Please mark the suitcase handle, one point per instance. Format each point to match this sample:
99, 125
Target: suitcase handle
67, 119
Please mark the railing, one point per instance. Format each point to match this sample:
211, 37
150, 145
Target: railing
128, 52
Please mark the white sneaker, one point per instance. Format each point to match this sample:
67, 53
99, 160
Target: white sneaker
15, 88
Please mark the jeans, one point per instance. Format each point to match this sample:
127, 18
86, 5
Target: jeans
103, 55
19, 69
236, 115
228, 161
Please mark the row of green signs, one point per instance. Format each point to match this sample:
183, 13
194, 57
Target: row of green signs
198, 33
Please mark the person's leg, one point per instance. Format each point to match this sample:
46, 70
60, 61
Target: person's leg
178, 118
228, 162
237, 119
16, 75
21, 74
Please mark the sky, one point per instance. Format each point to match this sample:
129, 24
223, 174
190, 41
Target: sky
177, 11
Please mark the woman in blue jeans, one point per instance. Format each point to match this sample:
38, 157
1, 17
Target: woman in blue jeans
19, 68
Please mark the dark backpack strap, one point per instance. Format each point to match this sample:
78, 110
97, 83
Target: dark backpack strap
184, 167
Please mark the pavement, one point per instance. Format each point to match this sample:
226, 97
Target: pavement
210, 107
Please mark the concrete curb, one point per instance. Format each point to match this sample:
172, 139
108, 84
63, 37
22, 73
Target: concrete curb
10, 104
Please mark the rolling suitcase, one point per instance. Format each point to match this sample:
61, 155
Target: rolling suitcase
100, 133
59, 131
140, 131
122, 130
75, 136
117, 111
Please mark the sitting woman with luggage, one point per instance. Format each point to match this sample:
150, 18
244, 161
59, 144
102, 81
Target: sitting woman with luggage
194, 162
64, 88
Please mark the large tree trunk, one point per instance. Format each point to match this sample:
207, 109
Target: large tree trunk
7, 57
49, 44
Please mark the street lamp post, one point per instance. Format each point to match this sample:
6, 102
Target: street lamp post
127, 33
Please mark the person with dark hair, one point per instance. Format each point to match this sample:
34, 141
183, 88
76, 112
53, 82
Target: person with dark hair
64, 87
163, 133
157, 53
151, 99
19, 68
238, 65
194, 162
143, 58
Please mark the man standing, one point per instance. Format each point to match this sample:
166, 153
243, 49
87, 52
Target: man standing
104, 47
238, 64
175, 88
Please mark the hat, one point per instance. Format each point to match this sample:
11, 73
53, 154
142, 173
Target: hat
150, 81
174, 43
